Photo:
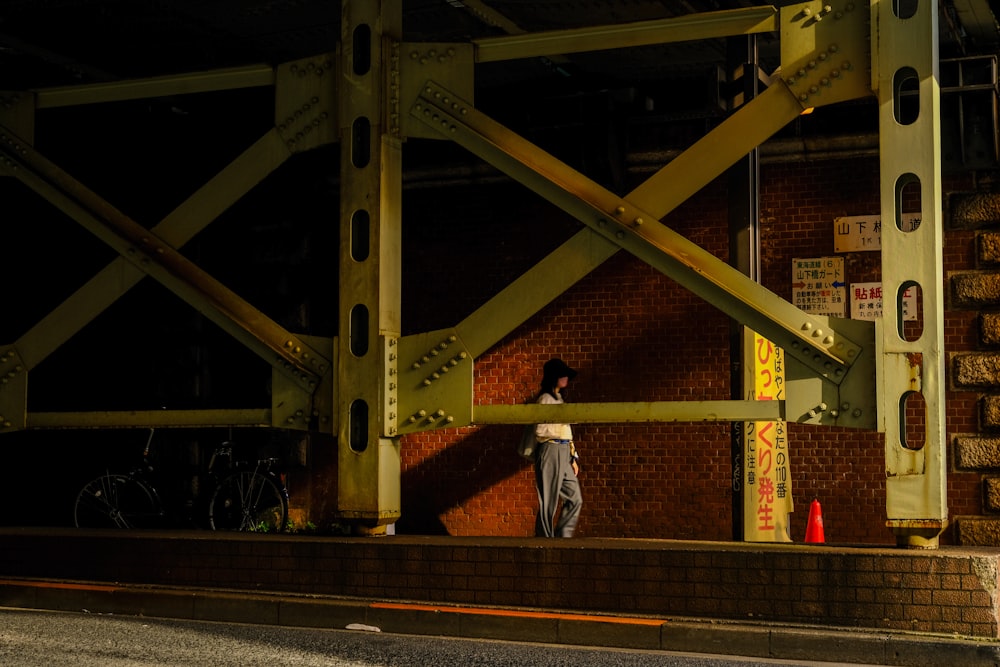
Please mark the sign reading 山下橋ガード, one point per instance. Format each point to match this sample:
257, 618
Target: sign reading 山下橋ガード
819, 286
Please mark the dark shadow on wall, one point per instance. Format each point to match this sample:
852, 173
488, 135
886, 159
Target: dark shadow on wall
462, 470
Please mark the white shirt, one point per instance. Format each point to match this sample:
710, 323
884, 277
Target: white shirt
552, 431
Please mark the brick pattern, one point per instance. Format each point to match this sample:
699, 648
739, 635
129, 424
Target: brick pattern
941, 591
637, 336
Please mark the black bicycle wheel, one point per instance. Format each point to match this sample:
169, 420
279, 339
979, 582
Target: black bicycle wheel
249, 501
116, 501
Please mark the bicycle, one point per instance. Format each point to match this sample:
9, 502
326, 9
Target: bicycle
247, 497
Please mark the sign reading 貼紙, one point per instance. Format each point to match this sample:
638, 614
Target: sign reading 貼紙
866, 302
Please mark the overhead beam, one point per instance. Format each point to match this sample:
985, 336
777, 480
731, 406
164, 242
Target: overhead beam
250, 76
150, 419
705, 25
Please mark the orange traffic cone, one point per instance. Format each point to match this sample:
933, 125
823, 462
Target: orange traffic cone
814, 528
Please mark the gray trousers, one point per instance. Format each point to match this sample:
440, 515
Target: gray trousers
556, 484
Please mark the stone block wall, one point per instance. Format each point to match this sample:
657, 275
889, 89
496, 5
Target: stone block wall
977, 371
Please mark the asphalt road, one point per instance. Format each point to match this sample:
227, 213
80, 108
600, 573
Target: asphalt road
32, 638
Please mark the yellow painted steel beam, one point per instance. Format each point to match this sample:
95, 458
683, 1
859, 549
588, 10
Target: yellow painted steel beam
306, 106
705, 25
162, 261
433, 382
710, 156
616, 413
369, 282
525, 296
150, 419
912, 366
177, 228
808, 337
825, 51
250, 76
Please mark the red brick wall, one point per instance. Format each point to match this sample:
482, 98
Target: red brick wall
635, 335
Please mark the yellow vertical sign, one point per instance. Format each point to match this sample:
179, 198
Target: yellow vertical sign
767, 481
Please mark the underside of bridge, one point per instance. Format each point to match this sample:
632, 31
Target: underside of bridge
128, 129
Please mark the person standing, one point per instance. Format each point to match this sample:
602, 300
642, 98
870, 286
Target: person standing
556, 465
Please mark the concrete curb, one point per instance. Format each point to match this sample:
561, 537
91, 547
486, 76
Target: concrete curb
644, 633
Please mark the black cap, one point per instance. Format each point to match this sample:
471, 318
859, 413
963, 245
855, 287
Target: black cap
557, 368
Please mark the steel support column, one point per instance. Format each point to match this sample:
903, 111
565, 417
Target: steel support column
370, 264
905, 78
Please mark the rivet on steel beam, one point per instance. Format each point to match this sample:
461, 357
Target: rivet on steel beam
828, 340
620, 210
449, 419
444, 369
846, 65
803, 97
807, 326
856, 413
817, 410
620, 234
817, 333
801, 73
439, 413
638, 222
817, 359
